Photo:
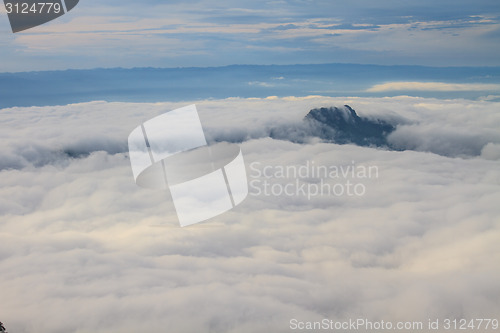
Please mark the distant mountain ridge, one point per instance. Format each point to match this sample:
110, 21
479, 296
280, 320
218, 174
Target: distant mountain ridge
190, 84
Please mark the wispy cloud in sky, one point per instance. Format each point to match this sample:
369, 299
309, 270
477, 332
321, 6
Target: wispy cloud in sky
433, 86
201, 33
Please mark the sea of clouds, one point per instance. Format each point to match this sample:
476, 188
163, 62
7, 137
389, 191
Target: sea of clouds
83, 249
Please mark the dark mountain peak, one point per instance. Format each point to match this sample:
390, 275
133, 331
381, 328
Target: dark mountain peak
337, 115
343, 125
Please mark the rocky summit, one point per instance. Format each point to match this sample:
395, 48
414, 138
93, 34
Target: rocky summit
342, 125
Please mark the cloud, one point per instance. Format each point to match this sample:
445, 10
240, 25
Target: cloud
196, 33
433, 86
491, 151
438, 139
82, 248
490, 98
261, 84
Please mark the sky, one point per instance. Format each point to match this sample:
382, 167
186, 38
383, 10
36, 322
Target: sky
201, 33
187, 84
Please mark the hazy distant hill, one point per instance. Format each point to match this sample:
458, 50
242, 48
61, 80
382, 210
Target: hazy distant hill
178, 84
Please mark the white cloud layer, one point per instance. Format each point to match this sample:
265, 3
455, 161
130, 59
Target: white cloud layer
82, 248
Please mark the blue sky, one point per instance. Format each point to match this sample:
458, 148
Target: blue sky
124, 33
